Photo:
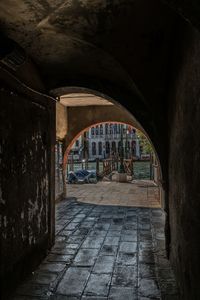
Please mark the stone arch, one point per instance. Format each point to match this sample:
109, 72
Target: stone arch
96, 115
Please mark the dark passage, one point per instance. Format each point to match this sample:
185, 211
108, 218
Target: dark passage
104, 252
55, 57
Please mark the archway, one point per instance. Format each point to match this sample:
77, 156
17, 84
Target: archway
107, 162
158, 58
111, 146
95, 115
115, 111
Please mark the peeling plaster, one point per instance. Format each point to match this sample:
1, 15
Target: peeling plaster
5, 222
2, 201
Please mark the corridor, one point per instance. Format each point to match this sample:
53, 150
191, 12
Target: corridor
65, 67
104, 252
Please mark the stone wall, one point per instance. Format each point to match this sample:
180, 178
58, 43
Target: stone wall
26, 191
61, 133
184, 162
61, 121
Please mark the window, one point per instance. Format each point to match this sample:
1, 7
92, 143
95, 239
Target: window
111, 129
115, 128
97, 130
92, 131
77, 143
100, 148
107, 148
106, 128
119, 146
118, 128
113, 147
94, 148
133, 147
101, 129
133, 130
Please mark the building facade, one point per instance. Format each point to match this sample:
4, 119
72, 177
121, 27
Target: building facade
104, 141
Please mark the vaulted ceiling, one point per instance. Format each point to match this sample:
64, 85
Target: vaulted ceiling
122, 48
126, 42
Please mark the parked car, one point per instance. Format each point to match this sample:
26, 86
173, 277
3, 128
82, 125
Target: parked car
82, 176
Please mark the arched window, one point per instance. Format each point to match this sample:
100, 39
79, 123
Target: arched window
100, 148
92, 131
94, 151
118, 128
107, 148
97, 130
111, 128
113, 147
133, 146
101, 129
115, 128
119, 146
106, 128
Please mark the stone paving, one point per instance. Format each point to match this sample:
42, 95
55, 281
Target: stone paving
137, 193
104, 253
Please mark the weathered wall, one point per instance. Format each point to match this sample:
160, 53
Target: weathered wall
61, 132
184, 162
61, 121
59, 179
26, 191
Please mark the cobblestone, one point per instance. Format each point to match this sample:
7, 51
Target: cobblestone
104, 252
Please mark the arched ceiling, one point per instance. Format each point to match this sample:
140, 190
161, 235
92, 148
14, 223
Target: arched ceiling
123, 41
121, 48
79, 99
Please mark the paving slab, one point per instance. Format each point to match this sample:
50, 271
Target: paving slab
126, 259
108, 250
97, 232
125, 276
149, 288
74, 281
43, 277
119, 293
114, 233
114, 241
128, 247
147, 270
52, 267
104, 264
98, 285
85, 257
93, 298
93, 242
59, 258
62, 297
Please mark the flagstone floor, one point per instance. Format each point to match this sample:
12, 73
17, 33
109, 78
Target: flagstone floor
104, 249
